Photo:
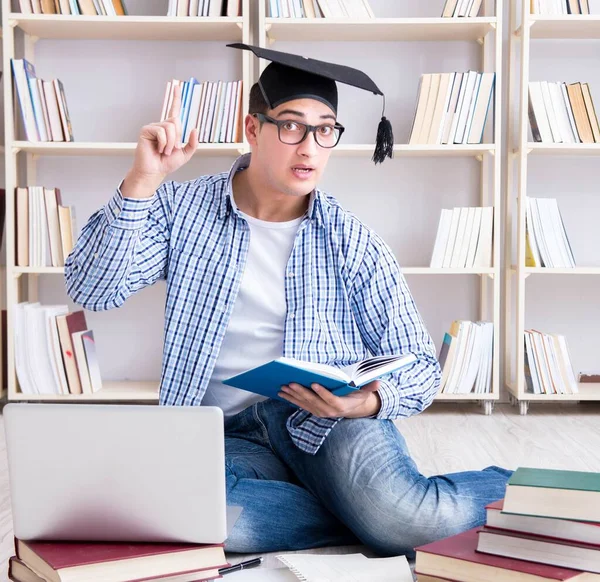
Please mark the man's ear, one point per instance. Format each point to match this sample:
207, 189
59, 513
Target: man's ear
251, 129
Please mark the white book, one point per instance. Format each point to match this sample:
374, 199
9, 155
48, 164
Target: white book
50, 312
109, 7
542, 362
25, 6
37, 109
422, 98
51, 207
461, 358
451, 238
24, 377
461, 233
552, 117
219, 108
594, 7
474, 238
235, 127
568, 260
222, 131
19, 67
461, 8
429, 108
569, 110
540, 234
482, 106
441, 239
466, 241
193, 8
538, 116
566, 358
46, 117
460, 118
439, 109
555, 374
439, 139
551, 236
82, 366
452, 106
468, 111
536, 385
205, 122
485, 243
172, 8
472, 361
562, 115
56, 130
202, 112
531, 234
91, 357
474, 8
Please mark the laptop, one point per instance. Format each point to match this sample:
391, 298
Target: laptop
109, 472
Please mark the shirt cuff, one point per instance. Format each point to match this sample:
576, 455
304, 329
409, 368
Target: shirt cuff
127, 213
389, 397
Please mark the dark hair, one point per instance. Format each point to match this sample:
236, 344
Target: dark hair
257, 102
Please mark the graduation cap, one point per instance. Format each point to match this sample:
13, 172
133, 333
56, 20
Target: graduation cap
290, 76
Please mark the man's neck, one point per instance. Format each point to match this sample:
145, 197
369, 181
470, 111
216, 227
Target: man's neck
252, 198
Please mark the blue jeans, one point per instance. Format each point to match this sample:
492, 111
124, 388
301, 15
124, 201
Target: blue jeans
361, 487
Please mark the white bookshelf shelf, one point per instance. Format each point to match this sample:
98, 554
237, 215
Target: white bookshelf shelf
378, 29
575, 26
112, 148
111, 391
470, 396
434, 271
564, 149
128, 27
587, 392
573, 271
456, 150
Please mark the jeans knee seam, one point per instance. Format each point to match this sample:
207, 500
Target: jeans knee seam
263, 427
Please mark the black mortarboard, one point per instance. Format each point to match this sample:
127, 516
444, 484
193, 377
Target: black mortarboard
291, 76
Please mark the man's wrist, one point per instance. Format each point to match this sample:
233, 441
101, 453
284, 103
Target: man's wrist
372, 405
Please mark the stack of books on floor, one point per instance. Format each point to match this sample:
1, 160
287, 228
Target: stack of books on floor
45, 228
547, 528
461, 8
213, 107
559, 7
43, 105
464, 238
117, 562
85, 7
547, 243
466, 358
359, 9
211, 8
562, 113
452, 108
548, 367
55, 351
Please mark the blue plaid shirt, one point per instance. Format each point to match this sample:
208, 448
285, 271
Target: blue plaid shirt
346, 296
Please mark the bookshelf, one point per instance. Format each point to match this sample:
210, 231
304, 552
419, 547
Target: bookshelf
525, 28
486, 31
23, 30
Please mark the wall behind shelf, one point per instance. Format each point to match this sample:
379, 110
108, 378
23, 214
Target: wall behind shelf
113, 88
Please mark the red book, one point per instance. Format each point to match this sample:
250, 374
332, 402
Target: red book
586, 532
120, 562
457, 558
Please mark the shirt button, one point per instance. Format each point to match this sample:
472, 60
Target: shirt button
292, 315
290, 273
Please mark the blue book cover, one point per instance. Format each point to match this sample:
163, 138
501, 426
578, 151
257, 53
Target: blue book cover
267, 379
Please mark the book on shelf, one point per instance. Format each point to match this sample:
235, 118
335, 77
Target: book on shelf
562, 113
120, 562
461, 8
43, 105
55, 352
210, 8
358, 9
457, 559
547, 243
548, 367
267, 379
564, 7
466, 357
74, 7
214, 108
452, 108
44, 227
464, 238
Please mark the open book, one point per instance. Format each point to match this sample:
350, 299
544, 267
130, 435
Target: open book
267, 379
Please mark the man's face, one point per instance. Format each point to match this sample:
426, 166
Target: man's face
290, 169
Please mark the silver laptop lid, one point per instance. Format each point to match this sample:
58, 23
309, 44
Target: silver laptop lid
116, 472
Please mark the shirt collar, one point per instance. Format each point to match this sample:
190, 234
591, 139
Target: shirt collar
227, 204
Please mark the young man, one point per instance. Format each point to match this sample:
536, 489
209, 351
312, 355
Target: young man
259, 263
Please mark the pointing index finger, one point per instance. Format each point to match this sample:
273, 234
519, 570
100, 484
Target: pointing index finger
176, 102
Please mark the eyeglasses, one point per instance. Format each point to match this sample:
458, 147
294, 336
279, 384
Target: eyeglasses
294, 132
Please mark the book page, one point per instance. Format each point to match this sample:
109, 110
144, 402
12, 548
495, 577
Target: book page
347, 568
324, 369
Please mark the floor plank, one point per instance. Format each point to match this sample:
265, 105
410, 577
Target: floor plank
451, 437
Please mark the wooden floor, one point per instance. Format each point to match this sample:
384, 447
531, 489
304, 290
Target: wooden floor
451, 437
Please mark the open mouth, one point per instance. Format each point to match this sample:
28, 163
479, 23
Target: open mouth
303, 171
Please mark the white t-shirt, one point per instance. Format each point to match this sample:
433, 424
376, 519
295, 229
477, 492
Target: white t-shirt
254, 335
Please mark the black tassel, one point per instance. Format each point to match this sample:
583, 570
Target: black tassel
384, 144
